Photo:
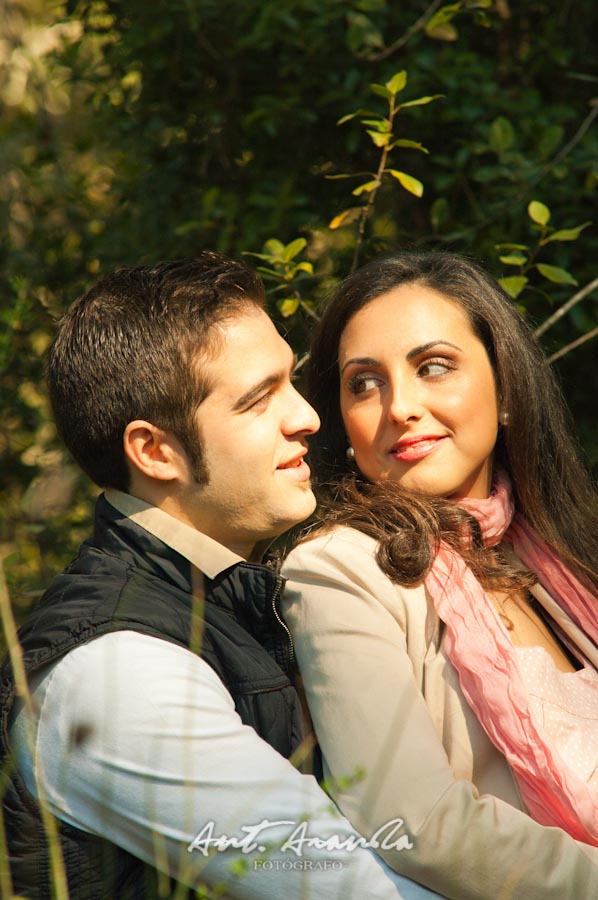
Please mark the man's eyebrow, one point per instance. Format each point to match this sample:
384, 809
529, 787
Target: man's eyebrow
255, 391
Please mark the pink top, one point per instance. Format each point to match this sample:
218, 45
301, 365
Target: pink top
565, 706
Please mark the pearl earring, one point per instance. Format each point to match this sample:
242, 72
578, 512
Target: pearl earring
504, 418
350, 454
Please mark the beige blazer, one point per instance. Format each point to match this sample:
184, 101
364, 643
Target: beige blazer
399, 738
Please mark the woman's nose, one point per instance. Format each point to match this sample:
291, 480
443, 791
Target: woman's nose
405, 404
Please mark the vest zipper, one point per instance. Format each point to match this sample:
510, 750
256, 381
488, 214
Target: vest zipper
275, 599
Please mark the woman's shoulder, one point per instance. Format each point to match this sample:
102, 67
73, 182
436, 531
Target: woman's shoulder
341, 558
338, 542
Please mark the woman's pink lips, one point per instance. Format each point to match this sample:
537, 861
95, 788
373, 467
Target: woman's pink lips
416, 448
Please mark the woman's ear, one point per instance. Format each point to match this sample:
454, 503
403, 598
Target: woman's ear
152, 451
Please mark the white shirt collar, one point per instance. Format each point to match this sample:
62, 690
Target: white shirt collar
202, 551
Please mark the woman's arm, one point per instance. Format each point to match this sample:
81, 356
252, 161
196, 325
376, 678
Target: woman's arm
369, 714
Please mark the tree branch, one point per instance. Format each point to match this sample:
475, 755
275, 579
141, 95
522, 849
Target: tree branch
562, 310
413, 29
572, 345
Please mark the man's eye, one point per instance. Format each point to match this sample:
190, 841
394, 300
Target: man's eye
261, 401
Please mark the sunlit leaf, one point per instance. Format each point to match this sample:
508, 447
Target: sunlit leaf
513, 285
566, 234
421, 101
380, 140
345, 217
446, 32
289, 306
366, 187
556, 274
273, 247
410, 183
291, 250
513, 259
380, 124
381, 91
397, 82
414, 145
538, 212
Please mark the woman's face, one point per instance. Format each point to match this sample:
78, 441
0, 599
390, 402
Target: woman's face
418, 395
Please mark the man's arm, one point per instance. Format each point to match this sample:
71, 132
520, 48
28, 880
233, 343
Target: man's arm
138, 741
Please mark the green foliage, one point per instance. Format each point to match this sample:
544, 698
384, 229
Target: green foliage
524, 256
135, 132
286, 274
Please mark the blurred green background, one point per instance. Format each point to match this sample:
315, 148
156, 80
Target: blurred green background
134, 131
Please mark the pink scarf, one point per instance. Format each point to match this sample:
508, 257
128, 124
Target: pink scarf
480, 649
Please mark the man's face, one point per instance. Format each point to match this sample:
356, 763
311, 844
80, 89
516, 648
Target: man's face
253, 428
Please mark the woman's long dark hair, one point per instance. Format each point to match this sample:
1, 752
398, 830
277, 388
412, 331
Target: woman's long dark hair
551, 486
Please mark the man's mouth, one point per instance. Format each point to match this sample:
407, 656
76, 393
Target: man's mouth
296, 466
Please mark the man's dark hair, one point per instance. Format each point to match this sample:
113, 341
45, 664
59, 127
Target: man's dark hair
131, 348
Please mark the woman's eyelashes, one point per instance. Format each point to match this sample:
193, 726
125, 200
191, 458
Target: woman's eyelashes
436, 368
430, 369
363, 382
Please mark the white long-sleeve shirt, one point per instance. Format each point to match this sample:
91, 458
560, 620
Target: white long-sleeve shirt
137, 740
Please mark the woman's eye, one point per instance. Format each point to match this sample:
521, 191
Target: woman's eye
359, 384
433, 368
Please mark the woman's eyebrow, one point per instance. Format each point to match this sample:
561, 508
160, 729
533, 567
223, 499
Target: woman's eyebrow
429, 346
361, 361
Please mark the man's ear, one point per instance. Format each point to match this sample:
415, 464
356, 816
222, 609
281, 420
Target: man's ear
152, 451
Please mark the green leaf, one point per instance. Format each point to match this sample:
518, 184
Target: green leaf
269, 273
502, 135
362, 34
566, 234
513, 285
305, 266
554, 273
398, 81
289, 306
381, 91
380, 124
273, 247
421, 101
514, 259
291, 250
366, 187
538, 212
358, 112
444, 15
343, 175
439, 212
510, 247
345, 217
414, 145
380, 140
410, 183
446, 32
551, 137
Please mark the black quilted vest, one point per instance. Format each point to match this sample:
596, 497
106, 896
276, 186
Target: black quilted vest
124, 578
